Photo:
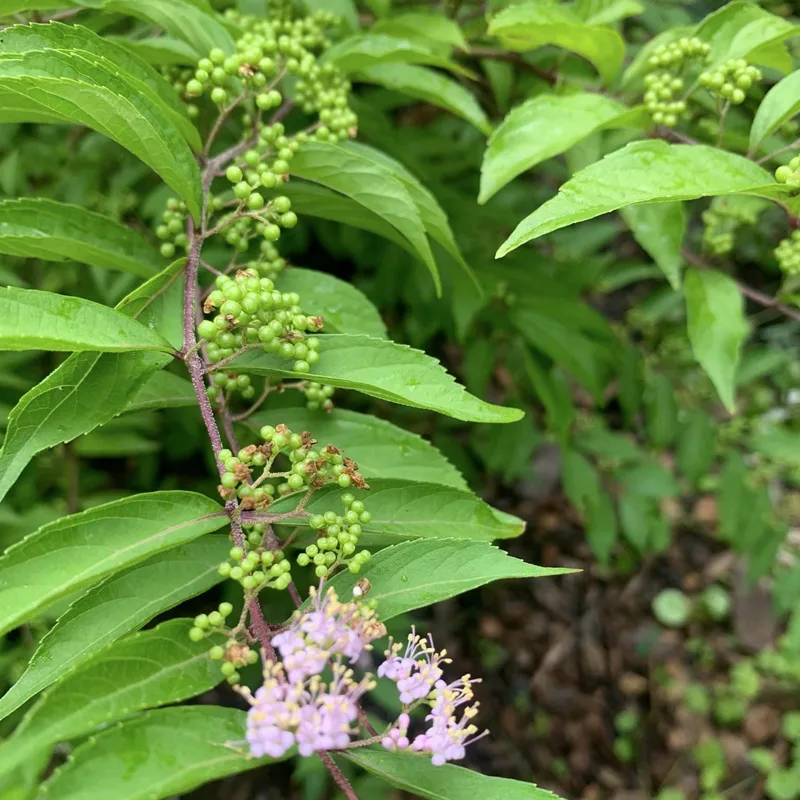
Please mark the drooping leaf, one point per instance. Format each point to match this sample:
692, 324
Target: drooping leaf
80, 550
644, 172
371, 185
716, 326
659, 228
137, 760
781, 103
423, 25
543, 127
35, 320
602, 529
121, 604
579, 478
553, 393
385, 370
415, 774
380, 449
429, 86
419, 573
533, 24
148, 669
343, 307
163, 390
408, 510
661, 411
696, 444
55, 231
89, 389
81, 85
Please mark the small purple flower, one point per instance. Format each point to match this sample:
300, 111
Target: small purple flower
417, 670
397, 737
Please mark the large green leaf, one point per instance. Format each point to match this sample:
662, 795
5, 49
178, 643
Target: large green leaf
380, 449
429, 86
161, 50
148, 669
644, 172
606, 12
659, 228
533, 24
59, 232
163, 390
34, 320
160, 754
81, 84
343, 307
781, 103
385, 370
717, 327
89, 389
419, 573
80, 550
415, 774
121, 604
543, 127
371, 185
408, 510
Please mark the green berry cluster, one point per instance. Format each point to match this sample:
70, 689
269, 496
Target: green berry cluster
318, 396
172, 230
788, 254
206, 624
234, 655
224, 382
789, 173
731, 80
722, 219
337, 539
665, 80
676, 54
258, 568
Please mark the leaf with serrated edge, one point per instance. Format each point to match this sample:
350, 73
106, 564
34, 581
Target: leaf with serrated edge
80, 550
407, 510
55, 231
148, 669
419, 573
162, 753
415, 774
644, 172
386, 370
780, 104
123, 603
381, 449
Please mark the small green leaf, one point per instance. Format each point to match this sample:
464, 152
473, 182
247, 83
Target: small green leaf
429, 86
543, 127
780, 104
648, 479
600, 441
79, 550
553, 393
661, 409
34, 320
419, 573
380, 449
423, 25
580, 479
162, 753
343, 307
530, 25
716, 326
163, 390
777, 444
654, 172
386, 370
55, 231
733, 496
659, 229
148, 669
415, 774
602, 530
696, 444
638, 516
116, 607
407, 510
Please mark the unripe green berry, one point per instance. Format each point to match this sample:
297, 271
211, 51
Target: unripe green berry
226, 609
216, 653
233, 174
219, 96
196, 634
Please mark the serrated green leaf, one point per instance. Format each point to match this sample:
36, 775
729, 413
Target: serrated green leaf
371, 185
343, 307
148, 669
35, 320
696, 444
659, 229
717, 327
415, 774
386, 370
79, 550
530, 25
606, 12
429, 86
543, 127
137, 760
419, 573
654, 172
89, 389
780, 104
380, 449
121, 604
163, 390
83, 84
423, 25
55, 231
408, 510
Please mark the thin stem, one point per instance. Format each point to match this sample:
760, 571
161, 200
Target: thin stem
225, 361
793, 146
256, 404
221, 119
227, 427
725, 109
337, 776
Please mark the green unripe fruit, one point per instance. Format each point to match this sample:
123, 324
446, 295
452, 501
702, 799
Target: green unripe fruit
233, 174
196, 635
354, 567
201, 621
224, 569
194, 88
344, 480
289, 219
167, 250
303, 560
255, 201
242, 190
271, 233
249, 582
207, 330
295, 482
216, 653
280, 167
217, 56
321, 571
215, 619
236, 553
267, 432
226, 609
228, 669
304, 366
317, 521
219, 96
282, 204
